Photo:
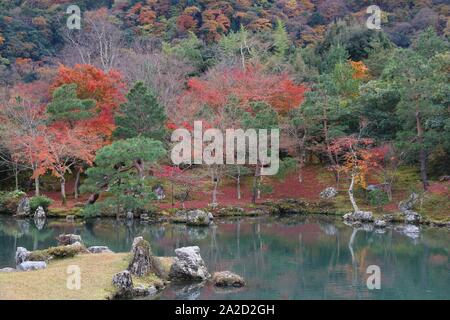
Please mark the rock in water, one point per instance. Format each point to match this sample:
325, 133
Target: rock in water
409, 203
197, 217
22, 255
412, 217
380, 224
23, 208
188, 265
32, 265
227, 279
143, 262
362, 216
40, 213
328, 193
123, 283
99, 249
66, 239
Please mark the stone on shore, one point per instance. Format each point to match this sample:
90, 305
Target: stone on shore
227, 279
380, 224
23, 208
193, 217
412, 217
328, 193
22, 255
99, 249
123, 283
39, 213
188, 265
143, 262
361, 216
32, 265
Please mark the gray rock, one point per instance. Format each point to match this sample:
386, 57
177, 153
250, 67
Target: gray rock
39, 213
189, 292
362, 216
66, 239
130, 215
143, 262
32, 265
409, 203
23, 208
22, 255
410, 231
70, 218
329, 193
227, 279
412, 217
123, 283
193, 217
99, 249
7, 270
380, 224
188, 265
143, 291
144, 217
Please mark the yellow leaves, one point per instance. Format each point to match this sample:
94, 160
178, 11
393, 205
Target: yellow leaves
2, 40
39, 21
360, 71
260, 24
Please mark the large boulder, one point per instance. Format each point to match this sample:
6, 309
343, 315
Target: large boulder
193, 217
99, 249
67, 239
39, 213
123, 283
227, 279
361, 216
22, 255
143, 262
329, 193
188, 265
409, 203
23, 208
32, 265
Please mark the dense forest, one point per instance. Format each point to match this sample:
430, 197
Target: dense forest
87, 114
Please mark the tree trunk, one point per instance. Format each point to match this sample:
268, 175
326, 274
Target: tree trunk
139, 165
63, 191
238, 183
36, 186
214, 193
76, 186
422, 153
16, 176
350, 194
92, 198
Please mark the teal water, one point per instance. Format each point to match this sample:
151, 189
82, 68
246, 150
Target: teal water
288, 258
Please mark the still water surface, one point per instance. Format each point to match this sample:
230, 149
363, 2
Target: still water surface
280, 258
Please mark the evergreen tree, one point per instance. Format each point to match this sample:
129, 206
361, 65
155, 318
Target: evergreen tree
141, 115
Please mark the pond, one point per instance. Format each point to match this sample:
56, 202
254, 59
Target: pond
301, 257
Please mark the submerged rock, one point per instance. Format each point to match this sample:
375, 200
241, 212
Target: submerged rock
188, 265
99, 249
123, 283
40, 213
23, 208
32, 265
227, 279
329, 193
22, 255
143, 262
66, 239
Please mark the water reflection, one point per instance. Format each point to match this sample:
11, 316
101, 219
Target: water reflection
289, 258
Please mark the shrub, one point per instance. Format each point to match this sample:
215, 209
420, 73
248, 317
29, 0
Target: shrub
378, 198
10, 200
42, 201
